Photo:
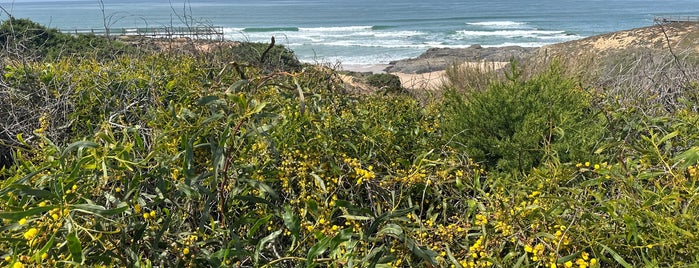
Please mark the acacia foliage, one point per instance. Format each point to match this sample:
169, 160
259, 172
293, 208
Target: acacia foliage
185, 160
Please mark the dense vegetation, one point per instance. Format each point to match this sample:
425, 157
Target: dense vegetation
177, 158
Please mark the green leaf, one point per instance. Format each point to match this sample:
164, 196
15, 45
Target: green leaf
263, 242
357, 218
254, 200
451, 257
24, 179
687, 158
669, 136
616, 256
319, 181
317, 249
38, 193
386, 216
567, 258
16, 215
258, 224
100, 210
291, 221
258, 107
75, 248
520, 260
423, 253
342, 236
78, 145
212, 118
206, 100
263, 187
237, 86
45, 248
391, 229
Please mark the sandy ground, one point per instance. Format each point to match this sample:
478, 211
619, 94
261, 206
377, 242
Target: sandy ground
362, 68
425, 81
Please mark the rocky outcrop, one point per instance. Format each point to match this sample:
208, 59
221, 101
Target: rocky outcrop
437, 59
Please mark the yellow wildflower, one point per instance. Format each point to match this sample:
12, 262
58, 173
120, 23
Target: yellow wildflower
185, 251
22, 221
31, 233
481, 219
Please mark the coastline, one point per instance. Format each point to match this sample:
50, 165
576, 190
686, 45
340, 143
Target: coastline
428, 70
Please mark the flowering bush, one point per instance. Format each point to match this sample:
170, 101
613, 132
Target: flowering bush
185, 160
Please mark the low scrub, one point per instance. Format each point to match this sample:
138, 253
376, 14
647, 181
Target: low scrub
191, 161
515, 124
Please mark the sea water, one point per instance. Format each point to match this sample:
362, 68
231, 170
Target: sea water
364, 31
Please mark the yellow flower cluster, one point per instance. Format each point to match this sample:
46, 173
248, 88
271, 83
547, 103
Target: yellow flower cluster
149, 215
478, 256
504, 228
72, 190
481, 220
583, 262
588, 165
411, 177
537, 251
57, 213
44, 123
363, 175
692, 170
30, 234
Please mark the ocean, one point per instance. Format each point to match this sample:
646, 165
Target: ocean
364, 31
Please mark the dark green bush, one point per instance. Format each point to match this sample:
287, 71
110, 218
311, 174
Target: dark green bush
513, 125
388, 82
23, 37
278, 58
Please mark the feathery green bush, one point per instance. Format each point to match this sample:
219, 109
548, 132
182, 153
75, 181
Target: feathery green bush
515, 125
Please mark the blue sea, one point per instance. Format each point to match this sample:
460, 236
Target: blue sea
364, 31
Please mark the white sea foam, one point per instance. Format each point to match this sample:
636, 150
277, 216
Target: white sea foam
337, 29
498, 24
511, 33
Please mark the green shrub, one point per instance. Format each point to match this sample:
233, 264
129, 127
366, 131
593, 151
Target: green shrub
25, 38
278, 58
513, 125
388, 82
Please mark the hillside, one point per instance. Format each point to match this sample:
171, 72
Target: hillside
680, 37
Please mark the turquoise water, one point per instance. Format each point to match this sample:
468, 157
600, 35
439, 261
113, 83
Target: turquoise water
365, 31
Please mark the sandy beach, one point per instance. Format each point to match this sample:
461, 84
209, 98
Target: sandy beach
424, 81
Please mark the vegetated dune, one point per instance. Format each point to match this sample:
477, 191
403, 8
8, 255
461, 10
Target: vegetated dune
679, 36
